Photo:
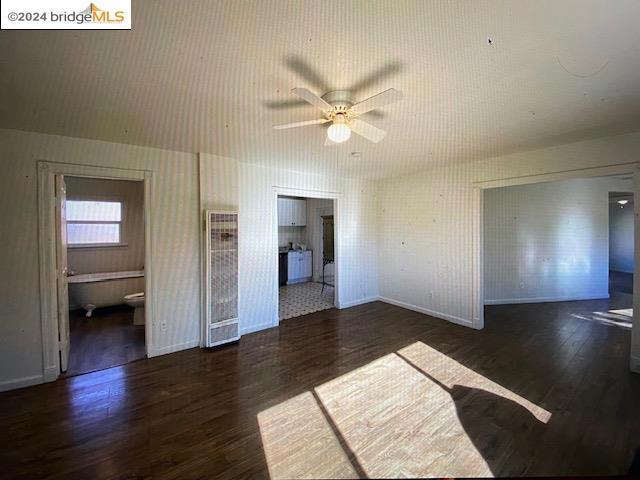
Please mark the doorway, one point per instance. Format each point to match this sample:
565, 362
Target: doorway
94, 243
567, 244
102, 232
621, 243
306, 253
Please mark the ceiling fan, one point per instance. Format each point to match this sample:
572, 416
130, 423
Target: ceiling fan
339, 108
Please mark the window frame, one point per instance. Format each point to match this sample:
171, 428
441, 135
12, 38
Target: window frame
121, 223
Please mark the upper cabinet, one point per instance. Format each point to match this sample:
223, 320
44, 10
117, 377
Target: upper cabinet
292, 212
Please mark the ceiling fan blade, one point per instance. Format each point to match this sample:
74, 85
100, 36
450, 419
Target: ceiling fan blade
313, 99
380, 100
319, 121
366, 130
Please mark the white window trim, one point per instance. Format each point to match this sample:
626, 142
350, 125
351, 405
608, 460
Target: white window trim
122, 222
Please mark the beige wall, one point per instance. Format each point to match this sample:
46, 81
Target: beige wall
174, 247
426, 247
548, 242
117, 258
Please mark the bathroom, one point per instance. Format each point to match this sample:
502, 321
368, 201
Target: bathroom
105, 252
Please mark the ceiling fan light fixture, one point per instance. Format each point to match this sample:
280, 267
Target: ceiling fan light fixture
339, 108
339, 131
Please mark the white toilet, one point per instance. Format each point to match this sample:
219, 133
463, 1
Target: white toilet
136, 300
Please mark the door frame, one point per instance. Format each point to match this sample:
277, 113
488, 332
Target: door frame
629, 168
47, 241
337, 228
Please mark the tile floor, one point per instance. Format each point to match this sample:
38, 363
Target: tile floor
302, 298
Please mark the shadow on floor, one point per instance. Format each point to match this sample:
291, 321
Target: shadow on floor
505, 433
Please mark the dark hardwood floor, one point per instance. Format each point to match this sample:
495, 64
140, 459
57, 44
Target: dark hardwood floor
107, 339
544, 389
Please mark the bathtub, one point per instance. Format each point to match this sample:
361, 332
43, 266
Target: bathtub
93, 290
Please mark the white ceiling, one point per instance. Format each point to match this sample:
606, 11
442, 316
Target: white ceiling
209, 76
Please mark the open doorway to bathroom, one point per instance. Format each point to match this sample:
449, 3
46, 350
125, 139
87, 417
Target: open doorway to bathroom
306, 255
102, 248
621, 244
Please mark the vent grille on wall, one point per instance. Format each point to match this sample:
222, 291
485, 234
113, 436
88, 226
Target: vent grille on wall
222, 277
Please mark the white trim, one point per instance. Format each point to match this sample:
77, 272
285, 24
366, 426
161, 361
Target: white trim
50, 374
337, 228
177, 347
20, 382
47, 256
586, 172
354, 303
99, 246
477, 267
149, 292
432, 313
202, 229
510, 301
46, 264
634, 361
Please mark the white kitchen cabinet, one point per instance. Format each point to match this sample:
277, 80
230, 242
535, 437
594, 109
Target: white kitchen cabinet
299, 212
299, 266
292, 212
284, 212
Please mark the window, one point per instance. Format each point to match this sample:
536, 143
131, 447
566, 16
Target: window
93, 223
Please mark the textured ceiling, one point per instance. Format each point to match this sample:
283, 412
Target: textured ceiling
215, 76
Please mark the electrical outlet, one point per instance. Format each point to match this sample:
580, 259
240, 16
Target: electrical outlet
163, 326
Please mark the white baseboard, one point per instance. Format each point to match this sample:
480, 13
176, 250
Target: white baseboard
432, 313
354, 303
634, 364
50, 374
509, 301
173, 348
20, 382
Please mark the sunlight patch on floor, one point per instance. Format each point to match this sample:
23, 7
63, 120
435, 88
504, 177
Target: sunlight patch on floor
616, 318
299, 443
414, 413
399, 423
